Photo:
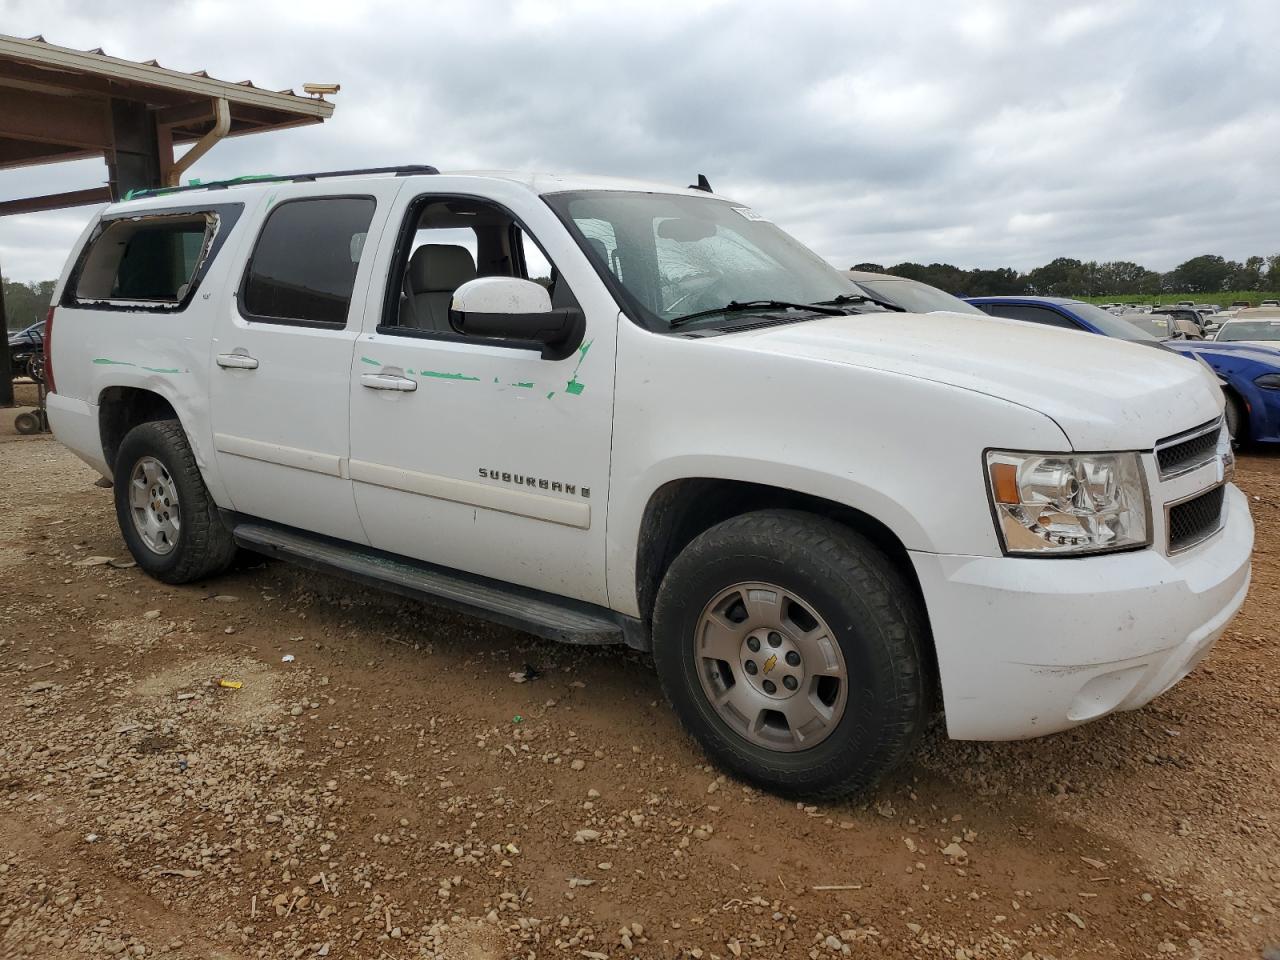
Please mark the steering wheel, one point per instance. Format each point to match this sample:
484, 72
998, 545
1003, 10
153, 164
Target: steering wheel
700, 282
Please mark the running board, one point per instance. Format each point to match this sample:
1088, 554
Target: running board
544, 615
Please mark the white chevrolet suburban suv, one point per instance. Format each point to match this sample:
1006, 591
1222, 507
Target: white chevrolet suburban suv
605, 411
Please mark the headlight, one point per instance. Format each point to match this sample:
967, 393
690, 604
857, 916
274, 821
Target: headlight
1269, 381
1049, 504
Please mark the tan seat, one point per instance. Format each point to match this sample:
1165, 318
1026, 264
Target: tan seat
435, 271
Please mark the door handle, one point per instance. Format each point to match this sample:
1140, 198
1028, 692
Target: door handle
387, 381
237, 361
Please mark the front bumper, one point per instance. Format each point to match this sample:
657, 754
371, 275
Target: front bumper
1028, 647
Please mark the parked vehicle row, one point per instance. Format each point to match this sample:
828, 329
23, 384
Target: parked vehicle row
24, 345
1259, 326
826, 513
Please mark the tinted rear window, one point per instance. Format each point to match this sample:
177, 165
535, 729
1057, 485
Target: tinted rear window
303, 269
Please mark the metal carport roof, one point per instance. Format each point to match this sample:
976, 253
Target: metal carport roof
62, 104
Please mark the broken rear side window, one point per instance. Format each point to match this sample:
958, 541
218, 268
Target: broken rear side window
150, 260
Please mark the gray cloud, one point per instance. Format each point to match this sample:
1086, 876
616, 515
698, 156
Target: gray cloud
981, 134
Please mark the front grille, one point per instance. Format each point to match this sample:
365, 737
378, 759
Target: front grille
1183, 453
1196, 519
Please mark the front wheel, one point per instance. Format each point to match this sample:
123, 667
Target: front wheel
790, 648
166, 515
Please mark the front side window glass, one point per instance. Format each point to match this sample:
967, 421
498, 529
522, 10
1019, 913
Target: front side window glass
451, 241
1031, 314
1108, 324
304, 265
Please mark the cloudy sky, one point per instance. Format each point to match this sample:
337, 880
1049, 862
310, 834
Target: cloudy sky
978, 133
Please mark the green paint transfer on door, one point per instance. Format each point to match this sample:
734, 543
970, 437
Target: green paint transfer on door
575, 386
446, 376
103, 361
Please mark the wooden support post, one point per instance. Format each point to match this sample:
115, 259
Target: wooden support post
6, 366
133, 161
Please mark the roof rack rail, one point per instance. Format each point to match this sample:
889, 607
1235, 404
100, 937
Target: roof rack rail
407, 170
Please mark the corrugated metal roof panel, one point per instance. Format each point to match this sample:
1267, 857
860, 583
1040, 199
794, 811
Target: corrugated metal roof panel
62, 58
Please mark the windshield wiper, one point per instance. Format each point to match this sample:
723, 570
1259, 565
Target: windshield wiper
850, 298
734, 306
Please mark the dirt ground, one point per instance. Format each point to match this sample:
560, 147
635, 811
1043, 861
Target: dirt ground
391, 792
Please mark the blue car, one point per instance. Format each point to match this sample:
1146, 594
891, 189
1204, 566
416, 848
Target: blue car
1250, 373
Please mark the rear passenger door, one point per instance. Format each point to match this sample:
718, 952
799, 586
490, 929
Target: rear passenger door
281, 356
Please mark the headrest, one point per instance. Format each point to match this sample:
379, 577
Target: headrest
440, 267
598, 247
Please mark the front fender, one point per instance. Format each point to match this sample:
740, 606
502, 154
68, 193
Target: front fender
906, 451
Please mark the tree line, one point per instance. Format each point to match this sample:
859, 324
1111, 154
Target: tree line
25, 303
1064, 277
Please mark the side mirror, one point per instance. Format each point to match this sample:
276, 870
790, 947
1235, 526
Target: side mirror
509, 308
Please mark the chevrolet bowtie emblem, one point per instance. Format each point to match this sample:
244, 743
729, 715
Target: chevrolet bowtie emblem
771, 663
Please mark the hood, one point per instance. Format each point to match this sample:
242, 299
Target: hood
1258, 351
1105, 394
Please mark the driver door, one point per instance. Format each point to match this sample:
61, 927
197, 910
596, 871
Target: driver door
486, 457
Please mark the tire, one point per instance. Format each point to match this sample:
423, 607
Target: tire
831, 574
193, 543
26, 423
1235, 420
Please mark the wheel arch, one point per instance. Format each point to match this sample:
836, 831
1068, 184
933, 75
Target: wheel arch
1243, 407
680, 510
121, 408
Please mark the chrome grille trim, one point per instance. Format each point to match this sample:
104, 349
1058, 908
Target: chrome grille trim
1193, 519
1189, 450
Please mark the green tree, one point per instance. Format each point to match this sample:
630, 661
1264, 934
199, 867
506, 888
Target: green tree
1273, 272
1247, 275
1000, 282
25, 303
1062, 277
1208, 273
1118, 277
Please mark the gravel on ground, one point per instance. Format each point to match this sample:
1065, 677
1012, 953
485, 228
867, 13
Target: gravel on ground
275, 764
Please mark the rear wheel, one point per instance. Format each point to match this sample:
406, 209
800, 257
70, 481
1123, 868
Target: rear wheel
166, 515
790, 648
